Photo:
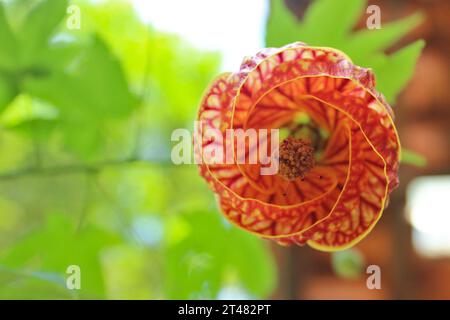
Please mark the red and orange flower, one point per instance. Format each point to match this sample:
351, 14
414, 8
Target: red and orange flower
338, 198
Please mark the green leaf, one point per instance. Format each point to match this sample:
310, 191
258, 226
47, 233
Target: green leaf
18, 284
38, 26
214, 255
8, 48
329, 23
169, 73
7, 91
142, 279
413, 158
364, 43
87, 96
348, 263
30, 117
57, 245
326, 23
396, 70
282, 26
58, 56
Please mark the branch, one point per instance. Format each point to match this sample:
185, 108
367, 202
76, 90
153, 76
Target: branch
74, 168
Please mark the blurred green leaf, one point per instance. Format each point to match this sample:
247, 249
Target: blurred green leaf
213, 255
413, 158
24, 109
394, 71
329, 23
7, 92
39, 26
57, 245
282, 26
77, 99
142, 279
8, 49
17, 284
8, 55
348, 264
59, 56
364, 43
170, 73
87, 97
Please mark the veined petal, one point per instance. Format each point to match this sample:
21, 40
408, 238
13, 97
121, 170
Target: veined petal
343, 197
259, 212
329, 76
360, 203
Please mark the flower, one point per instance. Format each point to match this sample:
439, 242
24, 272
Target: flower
331, 200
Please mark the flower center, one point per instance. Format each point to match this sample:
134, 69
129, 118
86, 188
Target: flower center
296, 158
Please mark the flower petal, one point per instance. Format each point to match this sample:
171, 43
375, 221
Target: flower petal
246, 206
358, 166
329, 76
327, 85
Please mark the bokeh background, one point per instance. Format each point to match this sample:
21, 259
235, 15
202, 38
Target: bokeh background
87, 108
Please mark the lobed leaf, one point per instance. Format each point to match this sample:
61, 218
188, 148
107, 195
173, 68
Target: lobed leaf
397, 69
329, 23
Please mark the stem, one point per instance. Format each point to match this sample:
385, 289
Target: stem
74, 168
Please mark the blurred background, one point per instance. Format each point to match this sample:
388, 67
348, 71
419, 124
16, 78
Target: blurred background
90, 92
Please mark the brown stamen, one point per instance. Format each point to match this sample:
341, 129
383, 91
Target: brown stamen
296, 158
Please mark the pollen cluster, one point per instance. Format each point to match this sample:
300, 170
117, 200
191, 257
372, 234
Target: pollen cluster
296, 158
